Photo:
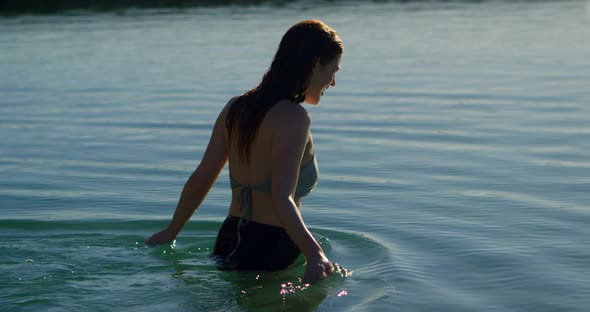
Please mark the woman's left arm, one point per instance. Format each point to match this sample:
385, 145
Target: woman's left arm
198, 185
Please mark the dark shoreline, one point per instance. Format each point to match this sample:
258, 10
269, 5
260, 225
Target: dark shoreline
46, 7
16, 7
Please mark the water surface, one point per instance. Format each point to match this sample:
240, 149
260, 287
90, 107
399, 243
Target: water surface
453, 153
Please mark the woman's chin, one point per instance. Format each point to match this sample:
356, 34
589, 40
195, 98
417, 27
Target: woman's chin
313, 100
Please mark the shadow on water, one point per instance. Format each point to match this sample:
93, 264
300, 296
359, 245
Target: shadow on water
260, 291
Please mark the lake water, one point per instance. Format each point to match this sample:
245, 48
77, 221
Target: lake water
454, 154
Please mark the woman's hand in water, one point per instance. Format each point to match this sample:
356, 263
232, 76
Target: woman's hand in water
163, 237
317, 268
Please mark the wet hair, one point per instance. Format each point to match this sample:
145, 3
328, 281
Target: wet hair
304, 44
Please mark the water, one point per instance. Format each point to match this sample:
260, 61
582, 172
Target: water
453, 152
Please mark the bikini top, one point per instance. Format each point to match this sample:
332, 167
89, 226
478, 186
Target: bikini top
308, 178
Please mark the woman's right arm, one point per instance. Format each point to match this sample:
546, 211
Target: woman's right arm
288, 145
198, 184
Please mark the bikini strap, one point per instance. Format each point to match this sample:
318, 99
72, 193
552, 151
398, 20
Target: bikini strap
245, 196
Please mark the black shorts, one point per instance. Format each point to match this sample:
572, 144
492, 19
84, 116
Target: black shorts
257, 246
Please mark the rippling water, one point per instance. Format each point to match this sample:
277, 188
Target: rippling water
455, 173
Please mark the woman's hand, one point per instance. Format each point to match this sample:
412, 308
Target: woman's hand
318, 266
163, 237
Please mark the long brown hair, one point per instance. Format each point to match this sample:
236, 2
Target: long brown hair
301, 47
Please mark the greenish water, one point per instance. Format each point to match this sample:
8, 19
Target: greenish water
104, 265
453, 155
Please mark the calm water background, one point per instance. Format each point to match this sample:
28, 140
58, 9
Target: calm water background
454, 157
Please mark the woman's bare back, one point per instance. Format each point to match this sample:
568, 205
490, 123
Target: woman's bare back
258, 168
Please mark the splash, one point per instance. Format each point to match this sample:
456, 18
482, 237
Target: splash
342, 271
291, 288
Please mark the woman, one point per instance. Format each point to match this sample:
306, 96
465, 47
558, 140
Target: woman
265, 136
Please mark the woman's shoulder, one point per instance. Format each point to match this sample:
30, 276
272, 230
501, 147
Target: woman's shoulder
226, 108
229, 104
286, 112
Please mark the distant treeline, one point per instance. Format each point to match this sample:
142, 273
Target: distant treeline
57, 6
10, 7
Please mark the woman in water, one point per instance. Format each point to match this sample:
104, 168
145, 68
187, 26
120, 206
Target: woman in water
265, 136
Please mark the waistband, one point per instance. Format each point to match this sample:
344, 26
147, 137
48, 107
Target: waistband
235, 219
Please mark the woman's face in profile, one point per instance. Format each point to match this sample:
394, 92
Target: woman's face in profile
322, 77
